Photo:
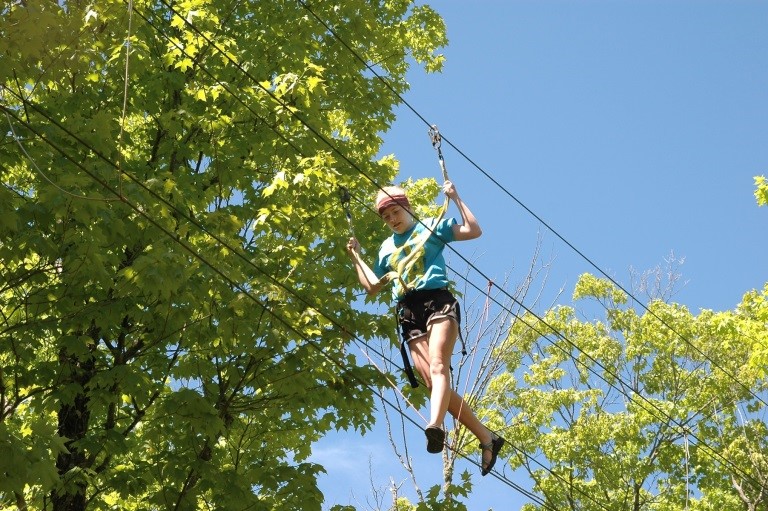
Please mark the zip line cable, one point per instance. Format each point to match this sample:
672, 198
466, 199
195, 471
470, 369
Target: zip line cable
139, 210
335, 149
353, 164
390, 405
199, 226
527, 209
83, 143
326, 142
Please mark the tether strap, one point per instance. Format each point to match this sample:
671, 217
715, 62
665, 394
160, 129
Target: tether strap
463, 344
404, 352
437, 141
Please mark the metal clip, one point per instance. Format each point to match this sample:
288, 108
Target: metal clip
434, 136
344, 196
345, 199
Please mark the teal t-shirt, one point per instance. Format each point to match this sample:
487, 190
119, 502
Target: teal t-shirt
430, 265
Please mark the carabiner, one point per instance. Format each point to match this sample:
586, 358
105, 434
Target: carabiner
434, 136
345, 198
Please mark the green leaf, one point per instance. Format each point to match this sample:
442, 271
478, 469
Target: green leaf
761, 193
163, 339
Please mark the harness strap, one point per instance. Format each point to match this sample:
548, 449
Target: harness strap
407, 365
437, 141
404, 352
463, 344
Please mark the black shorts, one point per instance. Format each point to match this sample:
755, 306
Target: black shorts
419, 308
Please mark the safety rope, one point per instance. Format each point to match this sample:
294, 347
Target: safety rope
437, 141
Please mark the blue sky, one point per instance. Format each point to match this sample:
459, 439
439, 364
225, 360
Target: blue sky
632, 128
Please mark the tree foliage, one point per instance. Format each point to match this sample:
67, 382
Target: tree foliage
761, 192
172, 272
659, 410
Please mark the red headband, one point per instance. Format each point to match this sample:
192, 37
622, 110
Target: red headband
389, 200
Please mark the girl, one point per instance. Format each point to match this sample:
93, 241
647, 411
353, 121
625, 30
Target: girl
428, 313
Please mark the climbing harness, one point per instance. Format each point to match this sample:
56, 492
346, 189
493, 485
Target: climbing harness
404, 265
413, 312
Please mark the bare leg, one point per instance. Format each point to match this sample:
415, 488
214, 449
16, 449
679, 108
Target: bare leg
442, 337
431, 355
464, 414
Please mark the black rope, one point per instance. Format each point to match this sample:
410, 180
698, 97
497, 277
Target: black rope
513, 197
532, 213
345, 158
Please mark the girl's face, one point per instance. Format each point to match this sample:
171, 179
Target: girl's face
397, 218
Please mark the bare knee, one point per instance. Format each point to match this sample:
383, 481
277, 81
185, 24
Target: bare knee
437, 368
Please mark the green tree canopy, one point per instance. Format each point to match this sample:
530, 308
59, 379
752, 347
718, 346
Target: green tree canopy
172, 270
660, 410
761, 192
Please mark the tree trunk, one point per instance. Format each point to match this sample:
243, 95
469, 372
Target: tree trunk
73, 425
